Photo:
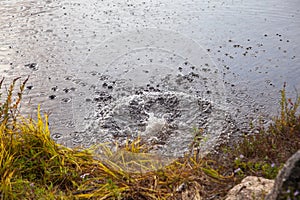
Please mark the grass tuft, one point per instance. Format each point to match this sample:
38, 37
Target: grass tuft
264, 153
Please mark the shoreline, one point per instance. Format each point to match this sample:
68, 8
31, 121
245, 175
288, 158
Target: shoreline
34, 166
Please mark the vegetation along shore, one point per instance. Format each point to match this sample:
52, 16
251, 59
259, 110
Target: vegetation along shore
33, 166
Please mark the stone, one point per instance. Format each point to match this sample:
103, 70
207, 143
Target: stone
192, 192
287, 183
251, 187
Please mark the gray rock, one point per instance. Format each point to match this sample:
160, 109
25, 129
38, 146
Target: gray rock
251, 187
287, 183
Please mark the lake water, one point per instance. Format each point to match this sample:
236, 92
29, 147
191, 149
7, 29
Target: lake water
111, 70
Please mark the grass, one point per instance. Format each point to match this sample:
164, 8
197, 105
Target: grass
33, 166
264, 153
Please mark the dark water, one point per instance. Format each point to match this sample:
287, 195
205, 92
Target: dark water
108, 70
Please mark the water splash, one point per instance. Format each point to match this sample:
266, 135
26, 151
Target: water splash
154, 83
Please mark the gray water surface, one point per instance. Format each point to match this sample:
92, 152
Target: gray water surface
91, 62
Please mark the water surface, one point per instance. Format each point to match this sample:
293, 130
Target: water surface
87, 57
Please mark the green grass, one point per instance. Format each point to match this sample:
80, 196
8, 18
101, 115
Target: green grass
33, 166
264, 153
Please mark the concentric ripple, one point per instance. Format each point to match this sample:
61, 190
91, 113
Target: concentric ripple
164, 120
154, 83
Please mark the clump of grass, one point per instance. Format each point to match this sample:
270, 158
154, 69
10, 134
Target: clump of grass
263, 154
31, 163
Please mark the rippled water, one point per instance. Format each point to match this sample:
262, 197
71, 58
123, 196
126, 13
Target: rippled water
85, 57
